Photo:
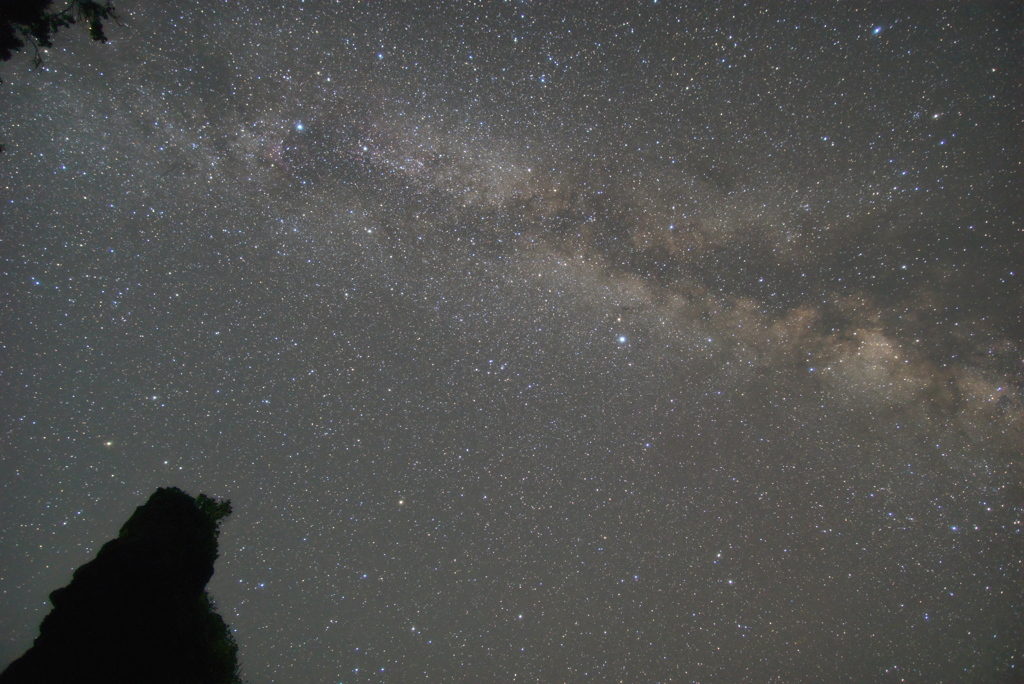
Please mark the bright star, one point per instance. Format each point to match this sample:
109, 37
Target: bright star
622, 339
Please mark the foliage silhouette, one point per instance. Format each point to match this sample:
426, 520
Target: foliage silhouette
34, 22
139, 611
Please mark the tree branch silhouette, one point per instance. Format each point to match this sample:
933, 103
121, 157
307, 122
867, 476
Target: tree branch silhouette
32, 22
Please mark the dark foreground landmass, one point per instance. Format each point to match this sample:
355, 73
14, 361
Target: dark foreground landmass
139, 612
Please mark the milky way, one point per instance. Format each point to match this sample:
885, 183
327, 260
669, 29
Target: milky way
532, 341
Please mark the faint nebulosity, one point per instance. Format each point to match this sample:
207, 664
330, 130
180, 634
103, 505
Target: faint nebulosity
532, 341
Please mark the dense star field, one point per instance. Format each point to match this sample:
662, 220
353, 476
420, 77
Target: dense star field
532, 341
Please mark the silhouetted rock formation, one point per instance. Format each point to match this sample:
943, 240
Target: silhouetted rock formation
139, 613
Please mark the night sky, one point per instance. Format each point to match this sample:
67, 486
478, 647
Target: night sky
532, 341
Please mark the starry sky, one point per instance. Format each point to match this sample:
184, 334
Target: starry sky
532, 341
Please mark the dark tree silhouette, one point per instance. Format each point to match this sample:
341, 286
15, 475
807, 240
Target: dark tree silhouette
139, 612
34, 22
